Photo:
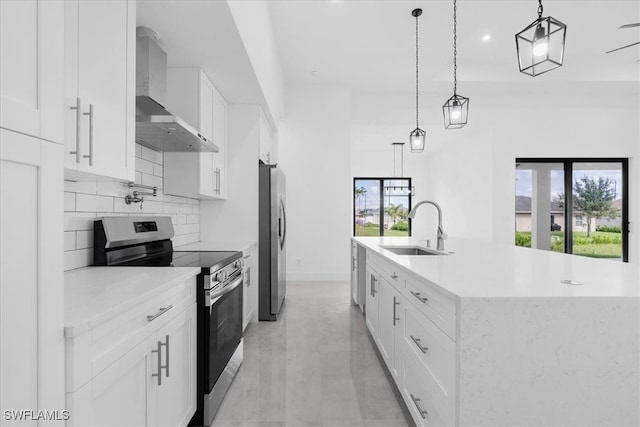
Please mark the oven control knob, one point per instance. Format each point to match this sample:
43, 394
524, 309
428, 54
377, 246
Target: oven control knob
220, 276
238, 264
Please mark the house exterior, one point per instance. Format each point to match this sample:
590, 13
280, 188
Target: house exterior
524, 222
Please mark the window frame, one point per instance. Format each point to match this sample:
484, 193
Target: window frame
568, 163
381, 181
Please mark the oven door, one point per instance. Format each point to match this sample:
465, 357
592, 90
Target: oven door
222, 328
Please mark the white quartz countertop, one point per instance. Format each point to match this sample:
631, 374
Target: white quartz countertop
93, 295
487, 270
215, 245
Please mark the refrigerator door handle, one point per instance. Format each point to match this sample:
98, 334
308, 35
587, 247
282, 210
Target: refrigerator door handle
284, 224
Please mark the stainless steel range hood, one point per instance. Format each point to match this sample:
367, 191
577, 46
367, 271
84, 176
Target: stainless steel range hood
156, 127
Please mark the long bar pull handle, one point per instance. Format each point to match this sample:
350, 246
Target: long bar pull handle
353, 263
417, 343
423, 413
78, 129
373, 286
395, 303
159, 374
162, 311
420, 297
166, 366
90, 114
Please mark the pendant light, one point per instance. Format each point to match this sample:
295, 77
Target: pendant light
540, 46
417, 136
456, 109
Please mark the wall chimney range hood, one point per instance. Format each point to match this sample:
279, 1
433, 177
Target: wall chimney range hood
157, 128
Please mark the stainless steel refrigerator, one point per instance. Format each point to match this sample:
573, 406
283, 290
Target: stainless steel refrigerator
272, 242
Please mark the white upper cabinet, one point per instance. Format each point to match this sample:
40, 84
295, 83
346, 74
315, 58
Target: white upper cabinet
100, 51
31, 68
192, 96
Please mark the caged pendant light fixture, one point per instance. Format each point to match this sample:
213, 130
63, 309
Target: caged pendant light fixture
540, 46
456, 109
417, 136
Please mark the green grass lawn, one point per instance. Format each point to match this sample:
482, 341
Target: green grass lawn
599, 245
375, 231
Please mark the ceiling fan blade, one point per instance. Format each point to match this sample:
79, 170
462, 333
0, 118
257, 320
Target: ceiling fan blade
623, 47
637, 24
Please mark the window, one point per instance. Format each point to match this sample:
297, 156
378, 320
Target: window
381, 206
586, 200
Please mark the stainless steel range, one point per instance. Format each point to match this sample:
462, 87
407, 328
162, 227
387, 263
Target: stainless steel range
146, 241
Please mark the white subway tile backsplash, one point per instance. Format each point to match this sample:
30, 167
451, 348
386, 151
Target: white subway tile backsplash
144, 166
77, 259
86, 201
154, 181
151, 155
69, 201
91, 203
84, 239
74, 221
69, 240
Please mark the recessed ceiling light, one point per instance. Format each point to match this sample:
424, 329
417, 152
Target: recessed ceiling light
314, 73
486, 37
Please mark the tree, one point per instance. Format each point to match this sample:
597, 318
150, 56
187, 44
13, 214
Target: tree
360, 193
396, 212
593, 198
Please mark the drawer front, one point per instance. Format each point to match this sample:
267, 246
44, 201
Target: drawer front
93, 351
437, 307
435, 351
420, 397
387, 269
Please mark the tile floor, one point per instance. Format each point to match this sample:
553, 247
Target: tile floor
315, 366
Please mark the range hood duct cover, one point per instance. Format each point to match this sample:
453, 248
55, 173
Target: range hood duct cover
157, 128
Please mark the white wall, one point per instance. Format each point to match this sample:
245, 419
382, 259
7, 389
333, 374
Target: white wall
236, 218
86, 201
253, 21
314, 153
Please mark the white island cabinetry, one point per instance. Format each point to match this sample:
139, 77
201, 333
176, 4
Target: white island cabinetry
132, 361
489, 335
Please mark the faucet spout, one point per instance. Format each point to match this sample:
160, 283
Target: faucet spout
441, 234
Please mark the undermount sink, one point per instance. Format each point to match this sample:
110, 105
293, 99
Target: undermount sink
412, 250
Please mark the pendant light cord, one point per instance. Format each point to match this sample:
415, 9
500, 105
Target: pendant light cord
417, 72
455, 48
539, 9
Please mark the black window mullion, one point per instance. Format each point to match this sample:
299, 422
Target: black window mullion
381, 186
568, 207
625, 210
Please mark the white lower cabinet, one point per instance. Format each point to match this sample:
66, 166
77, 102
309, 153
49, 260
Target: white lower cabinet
143, 369
408, 321
250, 281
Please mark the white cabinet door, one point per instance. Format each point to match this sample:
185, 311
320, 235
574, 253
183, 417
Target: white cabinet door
250, 280
32, 67
371, 307
220, 139
176, 390
354, 273
100, 80
120, 394
31, 275
386, 324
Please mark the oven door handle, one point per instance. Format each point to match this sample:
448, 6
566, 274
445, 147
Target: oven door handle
224, 291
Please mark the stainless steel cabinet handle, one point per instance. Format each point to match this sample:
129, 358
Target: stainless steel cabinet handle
90, 114
423, 414
78, 128
353, 263
395, 303
420, 297
166, 344
159, 374
417, 342
373, 286
217, 174
248, 278
162, 311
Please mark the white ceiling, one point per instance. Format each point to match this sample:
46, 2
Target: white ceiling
370, 45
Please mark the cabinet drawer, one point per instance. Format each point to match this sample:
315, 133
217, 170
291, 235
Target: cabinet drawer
439, 308
435, 350
420, 397
91, 352
387, 269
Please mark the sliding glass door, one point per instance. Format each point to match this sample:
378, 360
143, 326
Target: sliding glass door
577, 206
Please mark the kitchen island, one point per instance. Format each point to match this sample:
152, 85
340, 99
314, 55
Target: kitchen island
490, 335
